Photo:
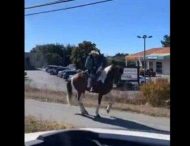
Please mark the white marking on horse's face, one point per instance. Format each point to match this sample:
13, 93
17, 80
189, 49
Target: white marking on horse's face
104, 73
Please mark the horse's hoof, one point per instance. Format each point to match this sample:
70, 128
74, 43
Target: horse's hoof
98, 116
107, 111
85, 113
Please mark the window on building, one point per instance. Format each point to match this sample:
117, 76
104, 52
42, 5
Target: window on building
131, 64
151, 65
159, 67
142, 64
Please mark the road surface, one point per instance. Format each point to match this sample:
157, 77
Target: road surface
116, 119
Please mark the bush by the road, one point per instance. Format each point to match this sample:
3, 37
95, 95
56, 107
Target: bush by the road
156, 93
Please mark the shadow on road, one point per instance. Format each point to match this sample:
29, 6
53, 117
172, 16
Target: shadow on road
124, 124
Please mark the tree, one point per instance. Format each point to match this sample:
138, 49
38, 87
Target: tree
27, 64
79, 54
67, 54
117, 59
37, 59
166, 41
55, 54
53, 58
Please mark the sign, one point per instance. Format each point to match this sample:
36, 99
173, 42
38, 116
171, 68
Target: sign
151, 57
130, 74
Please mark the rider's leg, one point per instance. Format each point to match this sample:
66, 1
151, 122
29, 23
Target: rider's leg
89, 83
92, 82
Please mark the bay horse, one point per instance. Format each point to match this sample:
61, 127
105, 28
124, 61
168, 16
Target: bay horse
102, 85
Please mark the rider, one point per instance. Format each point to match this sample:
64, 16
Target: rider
95, 63
101, 63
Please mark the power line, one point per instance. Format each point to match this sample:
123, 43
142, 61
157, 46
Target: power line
50, 3
78, 6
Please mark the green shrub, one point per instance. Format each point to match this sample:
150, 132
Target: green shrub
156, 93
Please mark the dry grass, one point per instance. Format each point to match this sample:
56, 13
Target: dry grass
135, 98
33, 124
122, 102
45, 95
144, 109
157, 93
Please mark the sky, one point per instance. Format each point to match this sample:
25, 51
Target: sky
113, 26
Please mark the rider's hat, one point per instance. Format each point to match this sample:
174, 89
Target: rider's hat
94, 52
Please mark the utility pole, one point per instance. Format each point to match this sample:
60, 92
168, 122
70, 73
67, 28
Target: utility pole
144, 37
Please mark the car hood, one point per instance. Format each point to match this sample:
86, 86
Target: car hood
120, 132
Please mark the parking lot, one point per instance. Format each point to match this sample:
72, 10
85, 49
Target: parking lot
42, 80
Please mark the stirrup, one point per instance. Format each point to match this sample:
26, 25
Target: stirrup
91, 89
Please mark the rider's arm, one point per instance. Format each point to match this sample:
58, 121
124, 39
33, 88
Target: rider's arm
87, 62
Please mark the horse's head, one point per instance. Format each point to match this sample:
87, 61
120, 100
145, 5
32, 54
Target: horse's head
115, 73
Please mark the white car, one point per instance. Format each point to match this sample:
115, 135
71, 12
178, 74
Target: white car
97, 137
142, 79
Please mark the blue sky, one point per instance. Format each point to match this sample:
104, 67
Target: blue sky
113, 26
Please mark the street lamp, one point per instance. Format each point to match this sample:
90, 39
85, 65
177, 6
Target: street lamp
144, 37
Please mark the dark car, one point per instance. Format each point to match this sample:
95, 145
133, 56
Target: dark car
55, 71
49, 68
148, 73
68, 73
61, 72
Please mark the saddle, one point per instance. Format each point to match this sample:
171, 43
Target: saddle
92, 80
99, 76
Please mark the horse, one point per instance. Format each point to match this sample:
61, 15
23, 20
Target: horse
103, 85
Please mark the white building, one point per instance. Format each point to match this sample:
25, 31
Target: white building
157, 59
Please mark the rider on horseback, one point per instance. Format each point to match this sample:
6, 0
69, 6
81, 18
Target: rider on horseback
95, 63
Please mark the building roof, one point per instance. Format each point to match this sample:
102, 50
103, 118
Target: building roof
154, 51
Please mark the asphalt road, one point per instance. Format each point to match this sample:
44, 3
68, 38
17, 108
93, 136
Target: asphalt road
116, 119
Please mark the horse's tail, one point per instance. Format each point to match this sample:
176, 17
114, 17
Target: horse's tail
69, 92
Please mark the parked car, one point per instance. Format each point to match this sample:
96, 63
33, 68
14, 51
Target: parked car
68, 73
132, 84
55, 71
72, 66
148, 73
142, 79
60, 73
51, 71
50, 68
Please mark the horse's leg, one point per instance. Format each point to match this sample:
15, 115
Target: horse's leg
82, 109
99, 102
109, 106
